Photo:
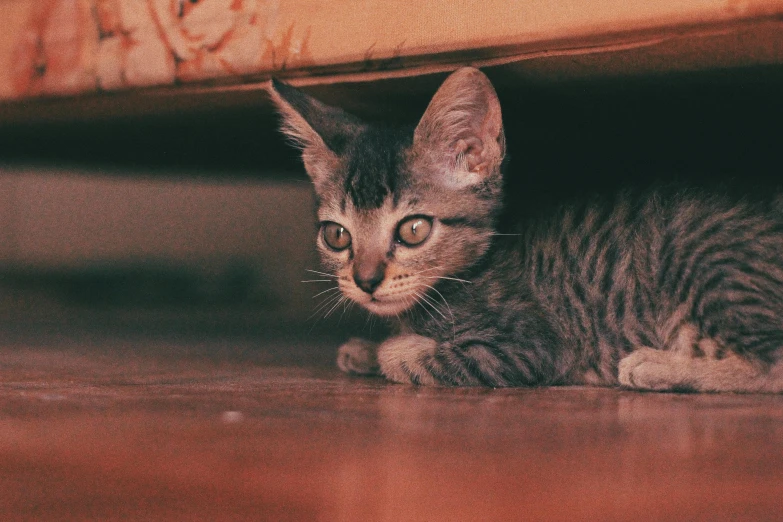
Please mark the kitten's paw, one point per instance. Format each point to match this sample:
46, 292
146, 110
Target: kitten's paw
358, 357
650, 369
660, 370
406, 359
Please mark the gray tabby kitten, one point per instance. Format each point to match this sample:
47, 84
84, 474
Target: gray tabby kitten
664, 292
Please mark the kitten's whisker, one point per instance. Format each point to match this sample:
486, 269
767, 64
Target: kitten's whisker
428, 270
322, 306
410, 307
321, 273
330, 309
317, 281
327, 302
427, 304
327, 298
420, 301
434, 305
443, 299
496, 234
345, 309
397, 314
326, 291
448, 278
451, 313
337, 304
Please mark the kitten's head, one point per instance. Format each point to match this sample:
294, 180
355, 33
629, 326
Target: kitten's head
401, 208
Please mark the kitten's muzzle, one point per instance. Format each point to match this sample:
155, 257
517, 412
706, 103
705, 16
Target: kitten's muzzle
369, 276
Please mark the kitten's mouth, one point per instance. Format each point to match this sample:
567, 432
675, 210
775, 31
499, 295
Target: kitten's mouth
386, 307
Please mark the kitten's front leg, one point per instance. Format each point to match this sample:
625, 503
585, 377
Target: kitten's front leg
402, 358
408, 358
416, 359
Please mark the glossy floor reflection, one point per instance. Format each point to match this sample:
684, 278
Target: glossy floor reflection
144, 429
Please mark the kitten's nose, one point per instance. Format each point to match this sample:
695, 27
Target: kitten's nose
369, 277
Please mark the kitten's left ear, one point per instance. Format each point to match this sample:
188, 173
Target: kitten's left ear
321, 131
463, 127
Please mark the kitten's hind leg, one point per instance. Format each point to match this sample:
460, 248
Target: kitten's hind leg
692, 364
358, 357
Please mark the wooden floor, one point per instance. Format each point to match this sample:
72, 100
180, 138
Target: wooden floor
149, 427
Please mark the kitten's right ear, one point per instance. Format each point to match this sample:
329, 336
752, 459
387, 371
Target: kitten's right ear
320, 131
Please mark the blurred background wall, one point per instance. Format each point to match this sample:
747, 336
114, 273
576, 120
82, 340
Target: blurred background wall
96, 240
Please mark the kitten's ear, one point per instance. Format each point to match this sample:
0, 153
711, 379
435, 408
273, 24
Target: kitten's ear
463, 127
320, 131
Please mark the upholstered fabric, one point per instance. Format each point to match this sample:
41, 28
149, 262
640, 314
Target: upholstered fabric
63, 47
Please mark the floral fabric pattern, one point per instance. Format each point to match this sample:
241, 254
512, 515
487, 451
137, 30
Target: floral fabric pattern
71, 46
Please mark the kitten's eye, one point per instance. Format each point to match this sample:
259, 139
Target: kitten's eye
336, 236
413, 231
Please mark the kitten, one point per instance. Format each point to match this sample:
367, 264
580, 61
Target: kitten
663, 292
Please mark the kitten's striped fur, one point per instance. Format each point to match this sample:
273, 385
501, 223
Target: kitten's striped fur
668, 290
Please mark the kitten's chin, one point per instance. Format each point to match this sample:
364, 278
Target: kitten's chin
386, 308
